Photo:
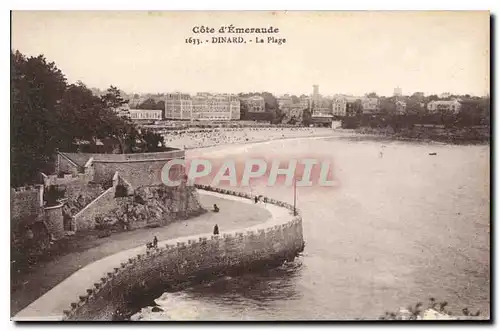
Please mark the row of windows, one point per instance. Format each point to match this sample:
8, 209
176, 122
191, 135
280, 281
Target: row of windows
206, 117
145, 116
211, 104
189, 111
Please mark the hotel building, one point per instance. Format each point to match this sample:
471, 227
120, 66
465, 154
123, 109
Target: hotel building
285, 101
346, 106
442, 106
202, 106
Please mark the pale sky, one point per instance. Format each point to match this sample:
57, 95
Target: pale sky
342, 52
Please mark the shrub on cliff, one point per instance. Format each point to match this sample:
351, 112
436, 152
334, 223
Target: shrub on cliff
151, 206
434, 311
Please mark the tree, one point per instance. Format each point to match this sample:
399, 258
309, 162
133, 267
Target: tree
307, 117
160, 105
150, 103
153, 141
414, 107
81, 114
372, 95
474, 112
122, 129
271, 103
113, 99
388, 105
418, 96
272, 108
37, 88
47, 114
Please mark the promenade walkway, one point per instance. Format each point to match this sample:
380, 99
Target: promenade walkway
105, 253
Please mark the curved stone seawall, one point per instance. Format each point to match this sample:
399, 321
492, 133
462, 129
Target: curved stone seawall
175, 261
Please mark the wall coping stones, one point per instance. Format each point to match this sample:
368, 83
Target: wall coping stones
27, 188
135, 161
54, 207
181, 243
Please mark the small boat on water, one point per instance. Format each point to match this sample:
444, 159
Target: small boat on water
432, 153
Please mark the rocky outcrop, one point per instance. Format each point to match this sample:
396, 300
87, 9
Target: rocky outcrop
434, 311
152, 206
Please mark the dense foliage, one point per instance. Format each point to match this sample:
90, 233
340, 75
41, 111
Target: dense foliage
150, 103
48, 114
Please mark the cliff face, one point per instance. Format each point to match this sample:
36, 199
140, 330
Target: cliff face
151, 206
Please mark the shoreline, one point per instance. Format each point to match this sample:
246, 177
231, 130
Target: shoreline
223, 146
226, 137
334, 134
322, 134
258, 142
443, 139
50, 306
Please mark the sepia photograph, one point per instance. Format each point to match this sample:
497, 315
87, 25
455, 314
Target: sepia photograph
250, 166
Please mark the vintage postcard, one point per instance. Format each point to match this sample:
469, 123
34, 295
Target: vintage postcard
250, 166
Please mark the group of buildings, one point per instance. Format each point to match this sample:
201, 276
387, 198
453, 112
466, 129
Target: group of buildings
202, 106
346, 105
226, 107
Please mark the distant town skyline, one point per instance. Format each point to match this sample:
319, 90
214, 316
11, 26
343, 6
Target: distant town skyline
343, 52
443, 95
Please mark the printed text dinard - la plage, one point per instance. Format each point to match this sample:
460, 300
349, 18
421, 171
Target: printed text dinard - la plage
231, 34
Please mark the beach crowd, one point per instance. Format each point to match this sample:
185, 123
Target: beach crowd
195, 138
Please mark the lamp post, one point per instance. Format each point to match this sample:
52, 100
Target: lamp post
294, 196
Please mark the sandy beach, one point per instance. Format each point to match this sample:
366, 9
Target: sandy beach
198, 138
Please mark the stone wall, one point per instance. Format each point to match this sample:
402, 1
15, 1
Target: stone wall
138, 169
103, 204
81, 194
54, 221
67, 179
137, 173
268, 243
26, 205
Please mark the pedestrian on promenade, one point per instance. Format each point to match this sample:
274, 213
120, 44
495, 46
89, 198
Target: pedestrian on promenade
216, 209
256, 199
216, 229
155, 242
